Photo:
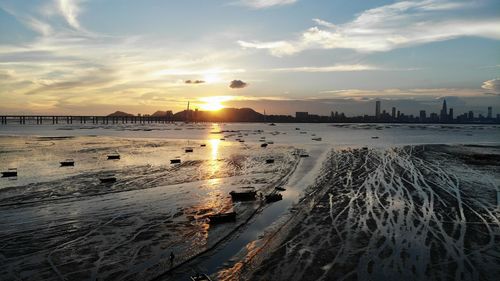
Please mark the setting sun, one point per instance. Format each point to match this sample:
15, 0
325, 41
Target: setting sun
214, 103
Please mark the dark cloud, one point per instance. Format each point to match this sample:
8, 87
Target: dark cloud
194, 81
237, 84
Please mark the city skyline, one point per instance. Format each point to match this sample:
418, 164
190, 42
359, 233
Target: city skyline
282, 56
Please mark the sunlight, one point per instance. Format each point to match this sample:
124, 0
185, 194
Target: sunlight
214, 103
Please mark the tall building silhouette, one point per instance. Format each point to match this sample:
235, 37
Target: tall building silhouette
444, 112
490, 113
377, 109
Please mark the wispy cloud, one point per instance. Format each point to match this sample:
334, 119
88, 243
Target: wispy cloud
492, 85
332, 68
259, 4
398, 25
70, 9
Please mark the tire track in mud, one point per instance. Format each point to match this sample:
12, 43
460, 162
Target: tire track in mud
392, 214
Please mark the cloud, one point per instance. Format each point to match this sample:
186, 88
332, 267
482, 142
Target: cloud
492, 85
385, 28
194, 81
69, 9
259, 4
237, 84
333, 68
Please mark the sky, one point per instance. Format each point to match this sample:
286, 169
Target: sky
281, 56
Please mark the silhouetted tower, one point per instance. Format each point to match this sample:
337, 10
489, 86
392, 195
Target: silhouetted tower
471, 115
450, 115
490, 113
423, 116
393, 113
377, 109
444, 112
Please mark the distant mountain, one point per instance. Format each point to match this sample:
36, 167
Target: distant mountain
120, 114
223, 115
160, 113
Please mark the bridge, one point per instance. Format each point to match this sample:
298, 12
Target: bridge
70, 119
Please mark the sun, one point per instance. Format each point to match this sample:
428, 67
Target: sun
214, 103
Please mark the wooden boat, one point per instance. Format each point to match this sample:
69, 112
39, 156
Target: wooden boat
263, 145
374, 137
273, 197
175, 161
297, 129
241, 140
280, 188
303, 155
269, 161
188, 149
11, 172
316, 139
108, 179
245, 194
200, 277
67, 163
270, 142
222, 217
115, 156
203, 145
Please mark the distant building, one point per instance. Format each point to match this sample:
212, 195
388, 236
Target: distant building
471, 115
450, 115
393, 113
377, 109
490, 112
444, 112
302, 116
423, 116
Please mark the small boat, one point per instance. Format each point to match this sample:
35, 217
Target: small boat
374, 137
67, 163
11, 172
273, 197
302, 132
108, 179
114, 156
175, 161
200, 277
203, 145
269, 161
316, 139
263, 145
222, 217
280, 188
241, 140
272, 124
246, 194
262, 138
297, 129
303, 155
270, 142
222, 139
188, 149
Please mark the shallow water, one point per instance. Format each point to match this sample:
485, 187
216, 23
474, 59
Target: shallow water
60, 222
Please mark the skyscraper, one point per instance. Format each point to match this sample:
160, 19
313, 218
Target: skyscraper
377, 109
393, 113
490, 113
444, 112
423, 116
450, 115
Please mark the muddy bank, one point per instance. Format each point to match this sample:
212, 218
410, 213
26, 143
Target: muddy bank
416, 213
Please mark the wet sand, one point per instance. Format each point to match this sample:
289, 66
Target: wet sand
410, 213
